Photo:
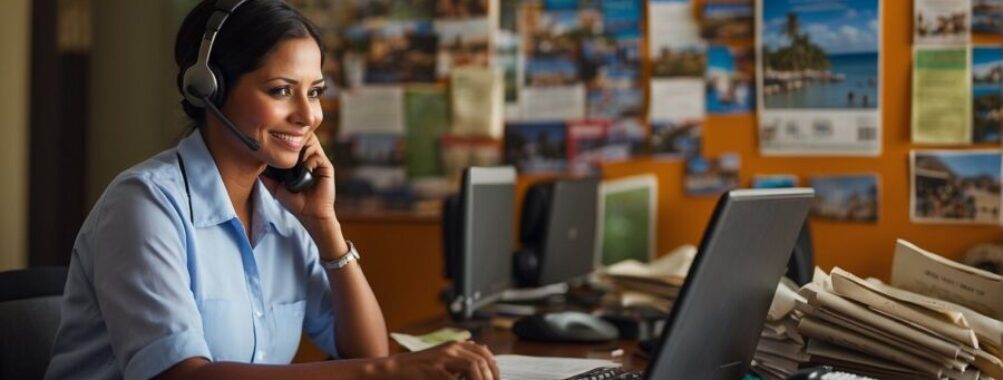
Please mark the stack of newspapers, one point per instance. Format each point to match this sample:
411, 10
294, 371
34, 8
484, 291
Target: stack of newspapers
781, 347
656, 283
937, 320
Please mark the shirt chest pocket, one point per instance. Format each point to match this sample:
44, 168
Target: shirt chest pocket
288, 319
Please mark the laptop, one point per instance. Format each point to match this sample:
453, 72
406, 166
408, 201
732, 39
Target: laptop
714, 326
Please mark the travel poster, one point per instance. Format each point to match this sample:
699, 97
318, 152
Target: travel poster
818, 77
729, 80
942, 22
987, 16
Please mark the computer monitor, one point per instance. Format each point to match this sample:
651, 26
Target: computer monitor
557, 232
483, 261
714, 325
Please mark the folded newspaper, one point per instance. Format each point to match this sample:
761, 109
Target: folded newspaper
933, 322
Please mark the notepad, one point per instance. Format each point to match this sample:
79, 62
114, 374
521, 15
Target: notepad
546, 368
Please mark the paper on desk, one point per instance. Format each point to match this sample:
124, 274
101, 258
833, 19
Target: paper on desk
546, 368
432, 339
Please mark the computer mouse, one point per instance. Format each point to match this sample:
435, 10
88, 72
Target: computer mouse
565, 326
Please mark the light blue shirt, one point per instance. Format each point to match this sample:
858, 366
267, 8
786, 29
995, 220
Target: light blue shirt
151, 285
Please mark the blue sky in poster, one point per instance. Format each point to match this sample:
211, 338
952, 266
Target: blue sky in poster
973, 164
838, 26
985, 55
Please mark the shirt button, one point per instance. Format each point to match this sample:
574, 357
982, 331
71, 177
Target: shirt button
260, 355
258, 314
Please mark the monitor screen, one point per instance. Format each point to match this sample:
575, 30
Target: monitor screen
488, 199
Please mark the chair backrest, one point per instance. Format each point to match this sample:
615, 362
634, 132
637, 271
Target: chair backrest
29, 318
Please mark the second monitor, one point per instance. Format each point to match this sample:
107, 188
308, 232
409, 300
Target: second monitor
557, 232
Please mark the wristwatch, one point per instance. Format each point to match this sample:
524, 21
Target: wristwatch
340, 262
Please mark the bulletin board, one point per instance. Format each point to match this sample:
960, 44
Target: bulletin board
861, 248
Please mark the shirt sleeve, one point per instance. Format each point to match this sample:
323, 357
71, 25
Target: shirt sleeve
319, 319
142, 282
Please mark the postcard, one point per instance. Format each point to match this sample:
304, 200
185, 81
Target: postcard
590, 144
614, 88
463, 42
671, 24
941, 22
459, 8
537, 147
459, 152
849, 198
372, 109
553, 102
426, 119
477, 101
628, 209
729, 80
987, 16
677, 99
727, 19
711, 176
395, 52
941, 96
774, 181
818, 77
950, 186
377, 161
987, 93
675, 139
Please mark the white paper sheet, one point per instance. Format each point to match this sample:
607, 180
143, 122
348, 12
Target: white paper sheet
520, 367
373, 109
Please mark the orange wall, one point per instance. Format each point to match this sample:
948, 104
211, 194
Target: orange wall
864, 249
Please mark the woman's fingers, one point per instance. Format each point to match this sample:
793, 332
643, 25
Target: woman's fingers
478, 362
489, 358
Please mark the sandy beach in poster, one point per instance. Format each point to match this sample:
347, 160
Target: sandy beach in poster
955, 186
818, 81
987, 93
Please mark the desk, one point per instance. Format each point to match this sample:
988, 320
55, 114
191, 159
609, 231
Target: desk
502, 342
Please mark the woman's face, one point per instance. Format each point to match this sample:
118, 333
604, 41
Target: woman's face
278, 104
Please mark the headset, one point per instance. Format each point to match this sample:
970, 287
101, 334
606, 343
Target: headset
203, 87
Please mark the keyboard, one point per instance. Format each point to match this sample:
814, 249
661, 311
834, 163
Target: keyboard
608, 373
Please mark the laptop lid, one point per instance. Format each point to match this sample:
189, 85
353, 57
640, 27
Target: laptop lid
714, 325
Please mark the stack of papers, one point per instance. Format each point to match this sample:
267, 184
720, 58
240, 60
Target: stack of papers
874, 329
520, 367
781, 348
652, 284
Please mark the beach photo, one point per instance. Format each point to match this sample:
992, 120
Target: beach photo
728, 19
955, 186
850, 198
711, 176
941, 22
774, 181
675, 139
820, 57
729, 80
987, 93
536, 147
987, 16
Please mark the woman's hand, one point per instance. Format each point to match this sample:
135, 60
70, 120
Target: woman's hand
455, 360
315, 205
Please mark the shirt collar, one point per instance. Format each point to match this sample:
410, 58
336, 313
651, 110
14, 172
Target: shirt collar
210, 202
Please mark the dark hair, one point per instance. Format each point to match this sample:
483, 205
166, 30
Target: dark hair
248, 36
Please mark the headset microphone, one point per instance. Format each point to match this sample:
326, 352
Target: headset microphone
250, 142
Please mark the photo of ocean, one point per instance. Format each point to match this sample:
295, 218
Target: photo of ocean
855, 85
820, 57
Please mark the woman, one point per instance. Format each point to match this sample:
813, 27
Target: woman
192, 265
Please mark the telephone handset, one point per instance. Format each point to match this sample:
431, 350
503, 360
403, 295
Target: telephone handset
295, 179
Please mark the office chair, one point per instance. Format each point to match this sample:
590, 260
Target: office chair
29, 317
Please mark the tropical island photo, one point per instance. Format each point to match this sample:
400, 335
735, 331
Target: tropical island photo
820, 57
